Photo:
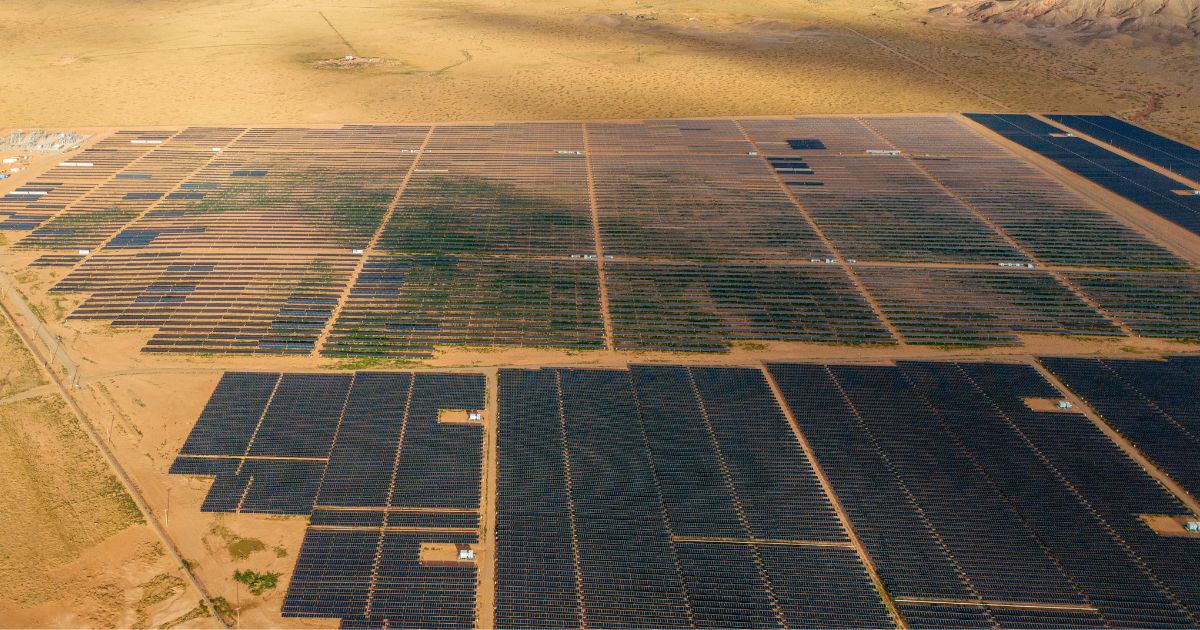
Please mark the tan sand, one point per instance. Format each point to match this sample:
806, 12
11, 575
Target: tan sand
88, 63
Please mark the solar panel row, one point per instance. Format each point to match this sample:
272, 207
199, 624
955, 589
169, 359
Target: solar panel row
492, 241
1169, 154
1152, 403
380, 434
964, 495
368, 457
883, 208
664, 497
1123, 176
213, 302
703, 307
404, 306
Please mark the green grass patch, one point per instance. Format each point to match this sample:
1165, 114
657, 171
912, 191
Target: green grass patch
224, 610
258, 583
374, 363
240, 548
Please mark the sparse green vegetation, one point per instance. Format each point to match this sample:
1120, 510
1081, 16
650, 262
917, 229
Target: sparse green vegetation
280, 552
159, 589
125, 504
224, 609
374, 363
258, 583
238, 547
200, 611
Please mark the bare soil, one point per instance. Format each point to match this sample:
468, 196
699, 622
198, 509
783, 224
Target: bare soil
69, 63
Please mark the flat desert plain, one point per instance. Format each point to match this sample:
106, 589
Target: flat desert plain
114, 63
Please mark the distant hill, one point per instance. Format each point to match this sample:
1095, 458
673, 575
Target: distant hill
1170, 19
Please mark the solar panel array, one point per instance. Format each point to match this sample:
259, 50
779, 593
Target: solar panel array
1154, 404
1165, 152
979, 307
883, 208
213, 302
980, 512
664, 496
697, 207
698, 307
404, 306
1123, 176
681, 496
397, 240
1051, 222
72, 182
1152, 304
285, 200
365, 455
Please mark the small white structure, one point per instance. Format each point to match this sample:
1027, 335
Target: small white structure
1064, 404
475, 416
1192, 526
356, 251
84, 252
892, 152
216, 149
9, 160
466, 554
752, 153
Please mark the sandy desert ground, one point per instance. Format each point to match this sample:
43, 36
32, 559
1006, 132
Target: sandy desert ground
106, 62
76, 551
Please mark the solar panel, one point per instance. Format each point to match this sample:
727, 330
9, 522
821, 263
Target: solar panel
367, 456
652, 498
1121, 175
967, 499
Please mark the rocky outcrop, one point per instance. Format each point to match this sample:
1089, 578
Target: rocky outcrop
1170, 19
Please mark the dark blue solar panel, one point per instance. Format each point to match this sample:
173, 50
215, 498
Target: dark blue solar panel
1155, 404
1165, 152
303, 416
604, 472
1121, 175
146, 196
801, 144
231, 415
